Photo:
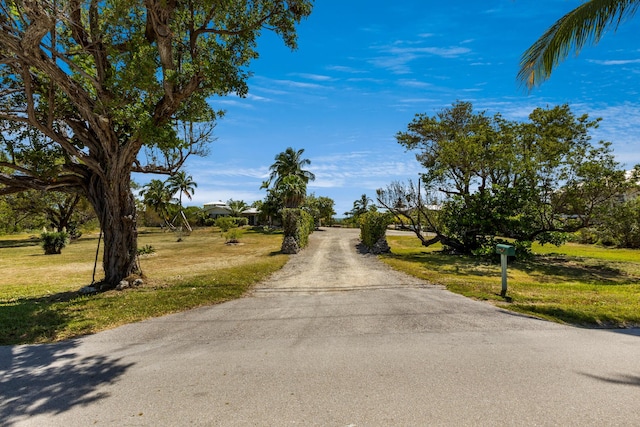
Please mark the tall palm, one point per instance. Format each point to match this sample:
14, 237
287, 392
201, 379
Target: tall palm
182, 184
585, 24
156, 195
289, 163
293, 190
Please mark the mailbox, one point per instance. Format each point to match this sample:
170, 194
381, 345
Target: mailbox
507, 250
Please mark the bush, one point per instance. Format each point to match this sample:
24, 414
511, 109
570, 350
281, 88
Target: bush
373, 227
228, 222
225, 223
53, 242
233, 235
241, 221
146, 250
621, 227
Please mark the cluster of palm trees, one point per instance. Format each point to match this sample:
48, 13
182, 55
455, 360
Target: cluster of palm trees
159, 195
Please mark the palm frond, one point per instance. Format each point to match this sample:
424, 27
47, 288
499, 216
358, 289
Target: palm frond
584, 25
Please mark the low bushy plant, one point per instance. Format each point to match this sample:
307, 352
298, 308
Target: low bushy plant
146, 250
233, 235
373, 227
225, 223
241, 221
53, 242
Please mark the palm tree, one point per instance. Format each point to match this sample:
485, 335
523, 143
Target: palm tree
585, 24
289, 163
293, 190
237, 207
182, 184
361, 205
156, 195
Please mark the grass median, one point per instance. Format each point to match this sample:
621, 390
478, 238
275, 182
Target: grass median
39, 299
582, 285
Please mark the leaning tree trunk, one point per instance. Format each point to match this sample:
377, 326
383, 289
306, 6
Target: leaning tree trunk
115, 206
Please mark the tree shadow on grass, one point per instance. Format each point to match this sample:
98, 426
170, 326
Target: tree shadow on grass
29, 320
544, 268
51, 379
549, 269
19, 243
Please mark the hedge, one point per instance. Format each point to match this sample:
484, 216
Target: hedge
373, 227
297, 224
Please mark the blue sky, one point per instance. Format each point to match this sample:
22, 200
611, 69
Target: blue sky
363, 69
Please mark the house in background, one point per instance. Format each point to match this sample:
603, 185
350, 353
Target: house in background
219, 209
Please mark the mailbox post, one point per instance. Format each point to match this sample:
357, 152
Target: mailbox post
505, 251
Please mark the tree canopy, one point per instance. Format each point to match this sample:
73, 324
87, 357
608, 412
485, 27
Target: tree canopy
496, 178
92, 91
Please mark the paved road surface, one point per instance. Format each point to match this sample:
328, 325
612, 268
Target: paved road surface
371, 347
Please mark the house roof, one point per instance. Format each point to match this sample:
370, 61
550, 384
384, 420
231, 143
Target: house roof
219, 204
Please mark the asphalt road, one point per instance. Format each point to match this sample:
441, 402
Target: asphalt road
358, 346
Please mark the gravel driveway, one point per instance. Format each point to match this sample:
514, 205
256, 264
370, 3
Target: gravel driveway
332, 263
334, 339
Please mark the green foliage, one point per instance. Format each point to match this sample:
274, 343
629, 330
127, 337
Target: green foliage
373, 227
287, 184
53, 242
237, 207
582, 26
233, 235
528, 181
622, 225
225, 223
297, 224
146, 250
241, 221
181, 184
320, 208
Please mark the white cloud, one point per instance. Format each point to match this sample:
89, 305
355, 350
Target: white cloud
414, 83
397, 56
614, 61
315, 77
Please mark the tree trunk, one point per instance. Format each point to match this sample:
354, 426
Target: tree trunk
115, 206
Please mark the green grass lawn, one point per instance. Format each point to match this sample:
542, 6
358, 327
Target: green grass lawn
578, 284
39, 301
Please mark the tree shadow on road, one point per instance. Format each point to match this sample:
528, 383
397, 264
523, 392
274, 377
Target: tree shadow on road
51, 379
622, 379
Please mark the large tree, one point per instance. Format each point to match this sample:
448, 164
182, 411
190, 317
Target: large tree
92, 91
528, 181
586, 24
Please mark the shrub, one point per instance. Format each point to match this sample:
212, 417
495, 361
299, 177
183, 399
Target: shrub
53, 242
297, 224
241, 221
373, 227
233, 235
225, 223
146, 250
